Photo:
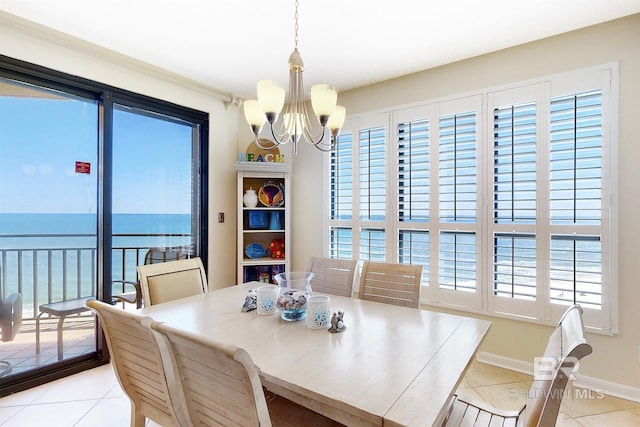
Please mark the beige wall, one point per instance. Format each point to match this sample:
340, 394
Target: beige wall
614, 359
30, 43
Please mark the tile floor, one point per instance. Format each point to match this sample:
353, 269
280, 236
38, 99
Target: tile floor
94, 399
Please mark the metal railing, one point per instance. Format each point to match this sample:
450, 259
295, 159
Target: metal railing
61, 270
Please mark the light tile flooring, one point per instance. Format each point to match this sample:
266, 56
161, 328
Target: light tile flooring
94, 399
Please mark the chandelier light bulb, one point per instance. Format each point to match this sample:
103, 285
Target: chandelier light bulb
271, 98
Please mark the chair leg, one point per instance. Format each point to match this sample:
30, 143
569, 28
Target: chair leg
60, 343
137, 419
38, 333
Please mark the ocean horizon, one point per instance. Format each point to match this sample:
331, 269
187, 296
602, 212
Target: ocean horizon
52, 256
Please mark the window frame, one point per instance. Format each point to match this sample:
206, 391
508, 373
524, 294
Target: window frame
542, 90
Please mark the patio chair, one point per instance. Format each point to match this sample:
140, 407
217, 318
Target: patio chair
332, 276
397, 284
172, 280
566, 346
10, 322
221, 385
137, 363
153, 256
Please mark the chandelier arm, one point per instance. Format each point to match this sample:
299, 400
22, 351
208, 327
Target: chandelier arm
257, 141
279, 139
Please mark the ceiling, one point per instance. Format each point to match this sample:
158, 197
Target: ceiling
228, 45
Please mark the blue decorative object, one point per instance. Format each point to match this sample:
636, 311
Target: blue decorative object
257, 219
274, 221
254, 250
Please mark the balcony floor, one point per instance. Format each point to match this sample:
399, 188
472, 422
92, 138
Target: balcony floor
78, 339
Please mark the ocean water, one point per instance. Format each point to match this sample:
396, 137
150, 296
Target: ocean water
48, 257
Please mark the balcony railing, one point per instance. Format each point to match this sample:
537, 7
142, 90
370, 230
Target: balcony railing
52, 267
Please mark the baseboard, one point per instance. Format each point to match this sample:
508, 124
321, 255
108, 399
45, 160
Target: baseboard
602, 386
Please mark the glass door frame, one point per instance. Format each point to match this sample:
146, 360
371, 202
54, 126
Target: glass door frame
107, 96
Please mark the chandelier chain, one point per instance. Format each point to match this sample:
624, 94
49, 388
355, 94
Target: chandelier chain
296, 26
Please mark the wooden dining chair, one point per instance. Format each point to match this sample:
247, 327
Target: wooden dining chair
566, 346
172, 280
152, 256
397, 284
221, 385
137, 363
332, 276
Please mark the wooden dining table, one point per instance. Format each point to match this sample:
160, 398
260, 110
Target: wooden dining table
392, 366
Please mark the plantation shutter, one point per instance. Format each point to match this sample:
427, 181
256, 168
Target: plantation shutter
341, 195
457, 187
514, 164
342, 178
413, 171
372, 143
576, 199
457, 168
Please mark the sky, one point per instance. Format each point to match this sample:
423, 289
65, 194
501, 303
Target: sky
41, 139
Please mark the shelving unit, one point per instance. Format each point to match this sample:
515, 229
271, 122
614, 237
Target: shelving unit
252, 227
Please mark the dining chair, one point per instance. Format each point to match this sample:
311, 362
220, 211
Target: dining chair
566, 346
137, 363
172, 280
152, 256
221, 385
332, 276
397, 284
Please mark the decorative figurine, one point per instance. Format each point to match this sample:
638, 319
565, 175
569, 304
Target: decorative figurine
337, 324
250, 302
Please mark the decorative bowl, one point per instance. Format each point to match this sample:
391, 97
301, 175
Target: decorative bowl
271, 195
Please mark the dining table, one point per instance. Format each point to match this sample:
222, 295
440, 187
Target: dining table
391, 366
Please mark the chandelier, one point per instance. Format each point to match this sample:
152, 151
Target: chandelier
296, 121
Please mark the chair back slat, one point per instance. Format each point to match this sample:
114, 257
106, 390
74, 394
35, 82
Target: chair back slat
137, 362
158, 255
397, 284
566, 346
172, 280
332, 276
220, 383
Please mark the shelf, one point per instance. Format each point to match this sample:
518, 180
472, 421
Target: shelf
264, 261
261, 217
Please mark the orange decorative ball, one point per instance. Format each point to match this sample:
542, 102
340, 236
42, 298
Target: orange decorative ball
276, 248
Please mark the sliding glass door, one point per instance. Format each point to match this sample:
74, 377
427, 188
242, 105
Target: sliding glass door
93, 181
155, 208
48, 225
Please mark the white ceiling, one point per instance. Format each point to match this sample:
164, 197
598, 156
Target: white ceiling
228, 45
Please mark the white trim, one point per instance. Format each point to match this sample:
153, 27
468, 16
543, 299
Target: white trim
596, 384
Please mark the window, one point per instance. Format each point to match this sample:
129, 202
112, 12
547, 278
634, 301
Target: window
503, 197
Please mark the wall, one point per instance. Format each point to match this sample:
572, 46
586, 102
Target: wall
614, 362
32, 43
